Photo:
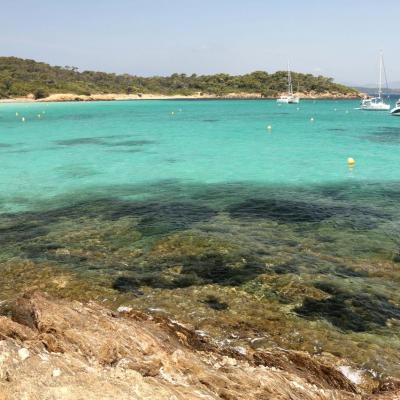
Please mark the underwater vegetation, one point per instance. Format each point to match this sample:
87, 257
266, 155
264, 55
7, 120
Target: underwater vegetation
103, 141
286, 211
358, 312
252, 265
385, 134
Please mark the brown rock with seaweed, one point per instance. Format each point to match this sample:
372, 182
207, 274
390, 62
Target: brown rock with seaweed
56, 349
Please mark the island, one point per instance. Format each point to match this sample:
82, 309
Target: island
29, 80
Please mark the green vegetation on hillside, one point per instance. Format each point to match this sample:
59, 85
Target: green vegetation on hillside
19, 77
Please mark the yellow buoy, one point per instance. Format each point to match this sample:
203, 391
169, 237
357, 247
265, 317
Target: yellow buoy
351, 162
269, 127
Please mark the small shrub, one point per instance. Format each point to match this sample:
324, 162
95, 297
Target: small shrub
40, 94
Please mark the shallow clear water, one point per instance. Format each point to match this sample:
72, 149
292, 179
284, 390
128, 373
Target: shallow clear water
84, 146
196, 208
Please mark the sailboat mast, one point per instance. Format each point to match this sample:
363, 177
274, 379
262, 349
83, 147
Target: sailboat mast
380, 76
290, 86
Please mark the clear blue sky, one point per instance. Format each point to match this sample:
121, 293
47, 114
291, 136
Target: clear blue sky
335, 38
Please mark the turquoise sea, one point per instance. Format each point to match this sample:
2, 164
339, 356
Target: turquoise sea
198, 210
86, 147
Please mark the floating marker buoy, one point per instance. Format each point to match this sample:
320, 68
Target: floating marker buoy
38, 115
269, 127
23, 119
16, 114
172, 113
351, 162
312, 119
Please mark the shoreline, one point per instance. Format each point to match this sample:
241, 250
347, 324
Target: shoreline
51, 345
68, 97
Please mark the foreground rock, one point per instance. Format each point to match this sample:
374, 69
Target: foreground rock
55, 349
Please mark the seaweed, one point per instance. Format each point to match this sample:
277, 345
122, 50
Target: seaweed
358, 312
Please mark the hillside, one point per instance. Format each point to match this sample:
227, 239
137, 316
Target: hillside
19, 77
372, 91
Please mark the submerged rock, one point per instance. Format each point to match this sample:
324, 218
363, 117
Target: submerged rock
149, 357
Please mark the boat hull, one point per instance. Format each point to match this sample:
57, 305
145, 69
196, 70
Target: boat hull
287, 100
395, 111
374, 104
375, 108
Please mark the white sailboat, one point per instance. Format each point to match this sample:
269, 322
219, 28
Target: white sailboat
290, 98
396, 109
376, 103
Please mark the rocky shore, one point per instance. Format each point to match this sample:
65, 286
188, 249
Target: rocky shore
62, 97
58, 349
